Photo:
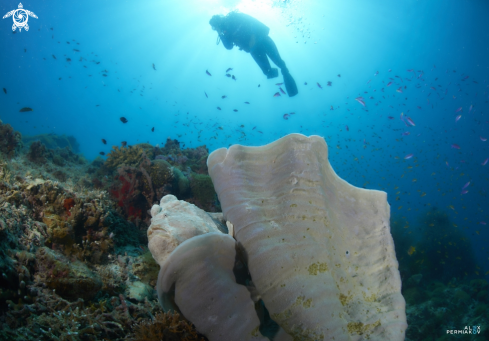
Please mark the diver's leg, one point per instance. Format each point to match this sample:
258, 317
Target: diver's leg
259, 54
272, 52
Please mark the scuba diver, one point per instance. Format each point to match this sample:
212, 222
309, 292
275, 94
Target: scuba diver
251, 35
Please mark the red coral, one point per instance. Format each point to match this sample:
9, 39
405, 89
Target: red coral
68, 204
125, 194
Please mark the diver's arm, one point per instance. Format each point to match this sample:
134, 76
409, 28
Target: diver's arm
226, 41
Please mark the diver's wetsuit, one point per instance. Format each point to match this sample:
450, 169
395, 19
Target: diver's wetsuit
251, 35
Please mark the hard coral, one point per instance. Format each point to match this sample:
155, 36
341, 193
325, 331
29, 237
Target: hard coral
166, 327
10, 140
37, 152
129, 156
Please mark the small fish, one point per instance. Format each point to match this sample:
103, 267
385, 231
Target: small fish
104, 141
205, 93
458, 118
464, 192
482, 223
411, 122
339, 75
483, 139
208, 73
459, 109
471, 107
76, 50
485, 162
282, 91
224, 96
254, 128
247, 102
104, 75
26, 109
376, 73
228, 75
466, 185
390, 117
5, 90
305, 83
102, 153
218, 108
399, 89
411, 250
153, 129
389, 84
123, 143
360, 100
319, 85
259, 85
286, 116
455, 146
235, 110
279, 84
229, 69
234, 78
123, 120
347, 129
68, 59
406, 133
154, 67
53, 56
277, 94
407, 157
329, 84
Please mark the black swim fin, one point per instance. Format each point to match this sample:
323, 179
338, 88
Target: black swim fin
290, 85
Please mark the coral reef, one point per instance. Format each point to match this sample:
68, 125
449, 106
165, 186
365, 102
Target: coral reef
54, 141
204, 195
442, 253
127, 156
166, 327
10, 140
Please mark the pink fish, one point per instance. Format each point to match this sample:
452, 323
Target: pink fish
407, 157
464, 192
411, 122
485, 162
282, 91
458, 118
466, 185
286, 116
399, 89
406, 133
319, 85
277, 94
278, 84
409, 70
470, 108
455, 146
375, 74
483, 139
360, 100
446, 162
459, 109
482, 223
389, 84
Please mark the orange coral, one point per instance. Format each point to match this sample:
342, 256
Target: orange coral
68, 204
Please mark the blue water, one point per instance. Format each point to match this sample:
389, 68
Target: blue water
444, 42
